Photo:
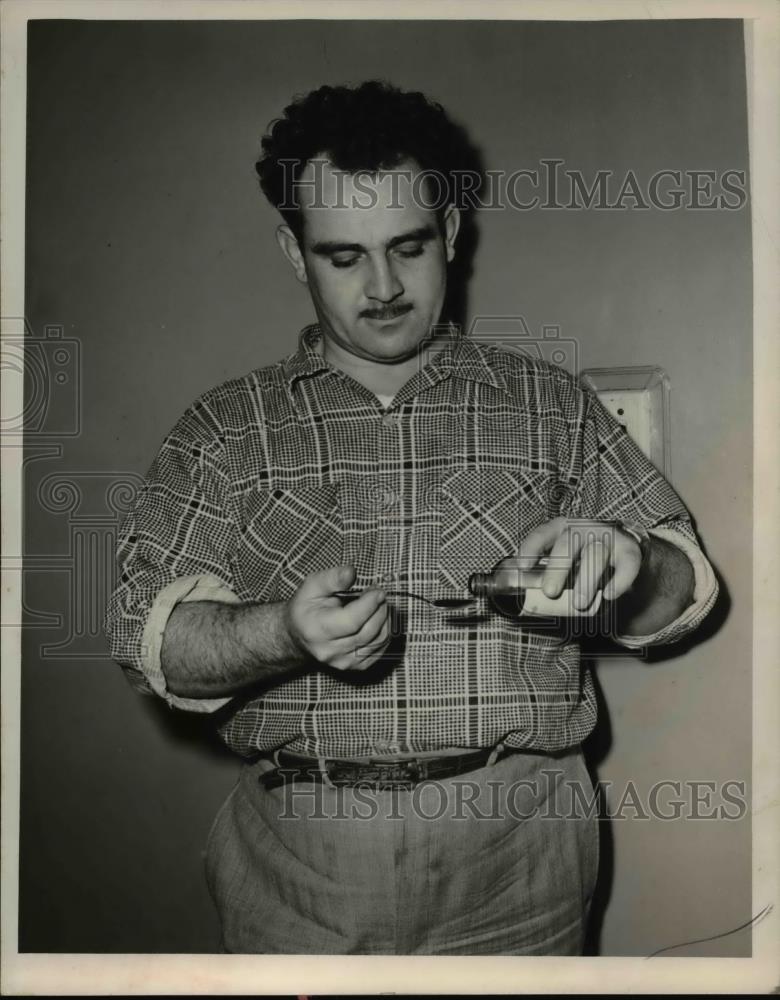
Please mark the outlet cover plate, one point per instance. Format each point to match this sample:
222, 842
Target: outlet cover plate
638, 398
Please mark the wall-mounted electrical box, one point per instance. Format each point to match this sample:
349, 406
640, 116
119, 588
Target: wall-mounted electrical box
638, 398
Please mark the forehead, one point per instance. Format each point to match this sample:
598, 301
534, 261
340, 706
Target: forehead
365, 208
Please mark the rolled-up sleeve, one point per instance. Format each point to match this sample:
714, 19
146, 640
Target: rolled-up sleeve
617, 482
174, 546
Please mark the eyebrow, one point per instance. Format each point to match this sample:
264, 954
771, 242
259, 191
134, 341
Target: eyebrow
419, 235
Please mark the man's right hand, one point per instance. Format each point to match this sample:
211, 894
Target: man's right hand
345, 637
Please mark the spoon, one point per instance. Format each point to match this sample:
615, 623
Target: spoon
442, 603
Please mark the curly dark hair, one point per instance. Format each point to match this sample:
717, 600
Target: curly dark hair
371, 127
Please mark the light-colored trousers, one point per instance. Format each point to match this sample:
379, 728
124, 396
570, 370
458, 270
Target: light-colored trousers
499, 861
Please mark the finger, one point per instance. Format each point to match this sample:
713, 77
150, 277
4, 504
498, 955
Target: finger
562, 557
347, 620
367, 632
361, 654
354, 662
367, 661
327, 581
594, 560
626, 563
375, 650
375, 637
372, 629
347, 661
539, 542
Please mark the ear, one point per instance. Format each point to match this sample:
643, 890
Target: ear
451, 227
292, 251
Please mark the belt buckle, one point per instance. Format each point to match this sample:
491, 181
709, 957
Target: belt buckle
403, 774
378, 774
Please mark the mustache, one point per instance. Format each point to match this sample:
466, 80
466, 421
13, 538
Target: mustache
390, 312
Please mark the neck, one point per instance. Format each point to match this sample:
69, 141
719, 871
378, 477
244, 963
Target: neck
383, 379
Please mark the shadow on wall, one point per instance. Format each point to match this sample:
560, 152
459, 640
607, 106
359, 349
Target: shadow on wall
197, 730
598, 745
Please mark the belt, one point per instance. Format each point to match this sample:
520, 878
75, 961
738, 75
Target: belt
380, 774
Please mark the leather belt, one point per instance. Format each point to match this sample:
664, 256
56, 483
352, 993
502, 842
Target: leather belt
405, 773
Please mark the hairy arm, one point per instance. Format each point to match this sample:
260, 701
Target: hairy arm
661, 591
212, 649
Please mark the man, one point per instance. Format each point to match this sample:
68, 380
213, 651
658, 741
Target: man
409, 775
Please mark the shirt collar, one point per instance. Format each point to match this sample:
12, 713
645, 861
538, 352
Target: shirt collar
462, 358
306, 360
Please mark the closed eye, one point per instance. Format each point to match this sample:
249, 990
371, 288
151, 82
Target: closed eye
410, 249
406, 250
344, 261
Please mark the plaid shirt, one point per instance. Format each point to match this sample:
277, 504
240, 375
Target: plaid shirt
297, 467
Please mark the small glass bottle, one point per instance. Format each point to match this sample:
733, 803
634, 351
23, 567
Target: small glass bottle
502, 588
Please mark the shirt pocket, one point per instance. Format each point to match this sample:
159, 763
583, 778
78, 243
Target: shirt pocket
486, 514
288, 534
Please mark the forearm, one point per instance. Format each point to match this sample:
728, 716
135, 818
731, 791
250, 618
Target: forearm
661, 592
212, 649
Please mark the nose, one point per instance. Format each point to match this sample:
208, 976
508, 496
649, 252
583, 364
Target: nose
383, 283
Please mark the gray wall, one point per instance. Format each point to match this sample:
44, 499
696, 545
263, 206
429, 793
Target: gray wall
148, 241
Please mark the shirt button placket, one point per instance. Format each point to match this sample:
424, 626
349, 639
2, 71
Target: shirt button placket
387, 515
